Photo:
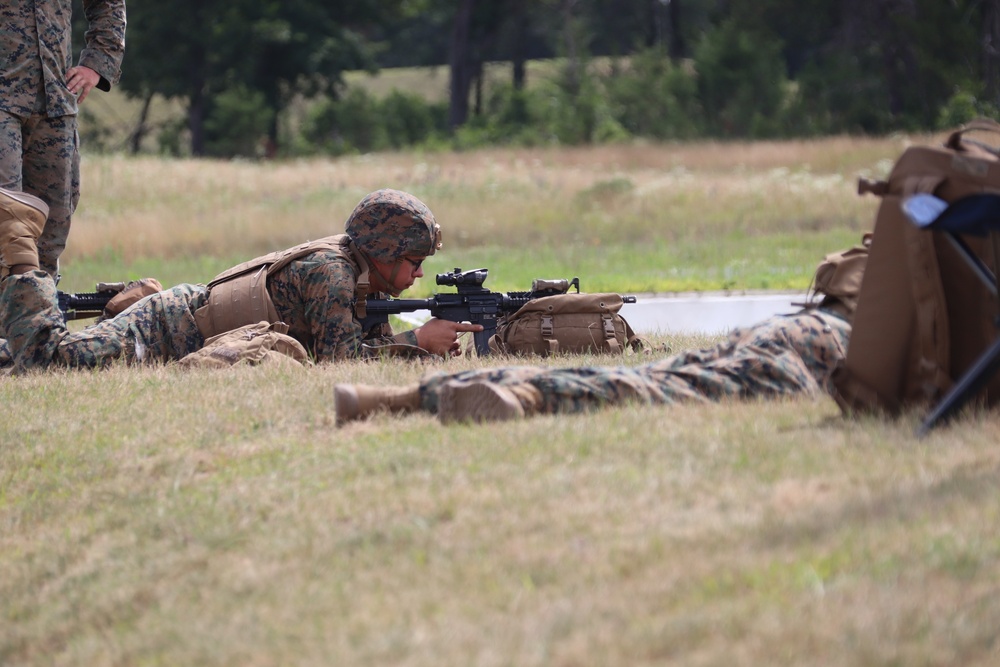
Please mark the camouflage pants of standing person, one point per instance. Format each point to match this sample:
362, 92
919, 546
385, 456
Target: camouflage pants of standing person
783, 356
41, 156
158, 328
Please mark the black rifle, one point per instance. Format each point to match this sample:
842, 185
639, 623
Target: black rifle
471, 303
81, 305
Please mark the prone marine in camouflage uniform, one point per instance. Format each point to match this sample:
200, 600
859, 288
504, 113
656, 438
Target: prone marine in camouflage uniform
39, 145
314, 288
784, 355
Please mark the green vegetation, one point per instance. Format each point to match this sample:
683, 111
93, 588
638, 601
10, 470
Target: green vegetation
260, 77
152, 516
663, 217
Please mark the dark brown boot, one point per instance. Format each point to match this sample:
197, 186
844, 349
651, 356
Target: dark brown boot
22, 219
356, 401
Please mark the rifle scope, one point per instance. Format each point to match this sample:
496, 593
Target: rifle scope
459, 277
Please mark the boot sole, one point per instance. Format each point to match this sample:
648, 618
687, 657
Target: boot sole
477, 402
26, 199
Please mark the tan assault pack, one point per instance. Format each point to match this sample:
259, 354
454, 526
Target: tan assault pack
239, 296
575, 323
837, 281
263, 343
922, 316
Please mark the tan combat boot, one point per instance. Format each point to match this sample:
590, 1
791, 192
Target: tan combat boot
355, 401
22, 219
486, 401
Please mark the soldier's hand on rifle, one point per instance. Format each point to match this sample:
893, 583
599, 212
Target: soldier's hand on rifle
441, 336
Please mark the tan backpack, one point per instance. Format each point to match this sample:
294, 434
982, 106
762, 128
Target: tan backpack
567, 323
922, 316
837, 281
263, 343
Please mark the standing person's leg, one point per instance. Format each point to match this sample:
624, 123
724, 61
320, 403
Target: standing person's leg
11, 151
11, 161
51, 171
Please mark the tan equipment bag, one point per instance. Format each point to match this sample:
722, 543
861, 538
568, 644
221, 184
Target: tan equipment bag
129, 294
838, 279
567, 323
922, 317
254, 344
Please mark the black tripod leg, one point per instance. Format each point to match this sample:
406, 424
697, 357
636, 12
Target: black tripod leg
968, 386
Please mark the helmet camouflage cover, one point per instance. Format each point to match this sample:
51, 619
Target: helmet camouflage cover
389, 224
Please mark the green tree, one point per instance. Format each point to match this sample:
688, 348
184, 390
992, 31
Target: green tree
196, 49
741, 81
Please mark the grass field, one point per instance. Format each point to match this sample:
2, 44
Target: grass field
640, 218
151, 516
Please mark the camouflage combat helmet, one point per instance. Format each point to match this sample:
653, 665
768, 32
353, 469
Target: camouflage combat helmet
389, 224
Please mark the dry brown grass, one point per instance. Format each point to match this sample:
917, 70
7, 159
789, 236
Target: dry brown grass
152, 207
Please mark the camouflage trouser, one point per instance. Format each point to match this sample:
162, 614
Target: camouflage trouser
782, 356
41, 156
158, 328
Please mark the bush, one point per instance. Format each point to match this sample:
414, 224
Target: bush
652, 97
741, 82
963, 107
359, 123
346, 125
237, 122
841, 94
409, 119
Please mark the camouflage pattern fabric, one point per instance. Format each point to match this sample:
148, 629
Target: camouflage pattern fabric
158, 328
39, 146
783, 356
36, 52
315, 297
389, 224
40, 156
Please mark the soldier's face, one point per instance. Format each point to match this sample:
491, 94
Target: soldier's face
401, 274
410, 268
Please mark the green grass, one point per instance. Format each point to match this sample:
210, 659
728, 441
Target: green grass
637, 218
151, 516
165, 517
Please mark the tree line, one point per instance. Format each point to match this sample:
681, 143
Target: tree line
657, 69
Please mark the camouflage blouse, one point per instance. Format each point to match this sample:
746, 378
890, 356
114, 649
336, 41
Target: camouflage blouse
315, 296
36, 51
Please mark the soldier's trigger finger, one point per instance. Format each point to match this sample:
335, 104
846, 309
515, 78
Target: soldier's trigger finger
465, 326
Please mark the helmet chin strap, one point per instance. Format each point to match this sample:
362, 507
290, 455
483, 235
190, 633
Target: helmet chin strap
379, 281
392, 278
